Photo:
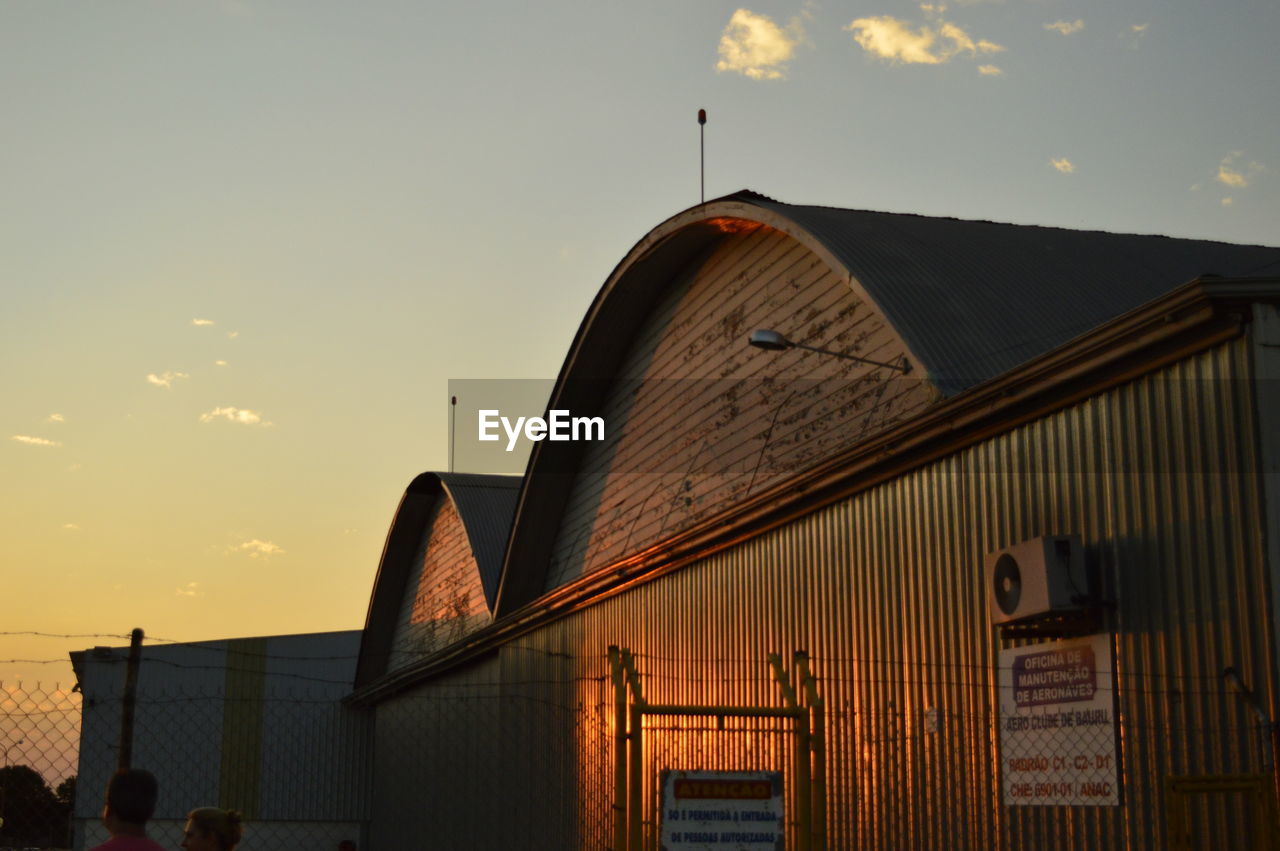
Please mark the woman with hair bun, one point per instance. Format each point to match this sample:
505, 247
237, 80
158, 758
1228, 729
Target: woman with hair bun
212, 829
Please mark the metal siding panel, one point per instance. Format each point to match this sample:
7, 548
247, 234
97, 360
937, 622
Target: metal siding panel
885, 591
1265, 339
316, 752
440, 765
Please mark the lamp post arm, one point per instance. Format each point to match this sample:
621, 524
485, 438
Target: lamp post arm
904, 367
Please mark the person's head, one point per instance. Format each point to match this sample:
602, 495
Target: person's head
212, 829
131, 799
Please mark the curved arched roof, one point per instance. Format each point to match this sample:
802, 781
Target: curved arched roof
485, 504
973, 300
969, 300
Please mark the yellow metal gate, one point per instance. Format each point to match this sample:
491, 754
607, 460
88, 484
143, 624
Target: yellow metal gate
802, 748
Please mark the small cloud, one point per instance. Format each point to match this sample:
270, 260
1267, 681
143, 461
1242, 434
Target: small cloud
36, 441
1226, 202
350, 531
1139, 28
74, 468
1229, 174
202, 322
754, 46
1231, 178
73, 527
989, 71
257, 549
1066, 27
165, 379
231, 335
219, 363
56, 418
1063, 165
189, 590
1195, 187
1135, 34
244, 416
892, 39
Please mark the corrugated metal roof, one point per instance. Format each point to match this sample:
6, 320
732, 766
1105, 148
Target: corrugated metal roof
975, 299
486, 505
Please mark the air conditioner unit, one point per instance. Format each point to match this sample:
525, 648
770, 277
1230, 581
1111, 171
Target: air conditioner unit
1042, 576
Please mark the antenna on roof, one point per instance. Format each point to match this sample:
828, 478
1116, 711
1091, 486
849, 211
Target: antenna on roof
702, 153
453, 417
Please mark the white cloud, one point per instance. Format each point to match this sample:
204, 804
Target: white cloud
188, 590
1231, 178
202, 322
165, 379
1066, 27
56, 418
71, 526
35, 441
990, 70
231, 335
74, 468
889, 38
258, 549
219, 363
1226, 202
244, 416
1139, 28
754, 46
1063, 165
1230, 174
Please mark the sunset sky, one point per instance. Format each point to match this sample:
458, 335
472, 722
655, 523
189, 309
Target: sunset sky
245, 244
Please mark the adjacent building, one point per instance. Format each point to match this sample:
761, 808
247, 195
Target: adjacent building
252, 724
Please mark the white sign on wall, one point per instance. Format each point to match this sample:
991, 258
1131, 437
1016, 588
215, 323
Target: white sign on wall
1057, 724
721, 810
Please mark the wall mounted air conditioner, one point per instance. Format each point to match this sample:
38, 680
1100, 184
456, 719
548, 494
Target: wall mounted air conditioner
1042, 576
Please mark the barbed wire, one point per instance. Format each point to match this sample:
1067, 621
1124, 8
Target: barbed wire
1126, 681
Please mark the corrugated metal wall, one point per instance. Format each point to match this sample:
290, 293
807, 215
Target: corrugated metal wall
438, 780
886, 592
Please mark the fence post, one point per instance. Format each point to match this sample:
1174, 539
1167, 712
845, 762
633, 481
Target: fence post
130, 700
636, 804
619, 750
819, 743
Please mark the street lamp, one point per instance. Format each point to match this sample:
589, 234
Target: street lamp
774, 341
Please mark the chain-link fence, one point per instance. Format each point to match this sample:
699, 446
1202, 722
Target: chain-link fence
512, 753
40, 740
